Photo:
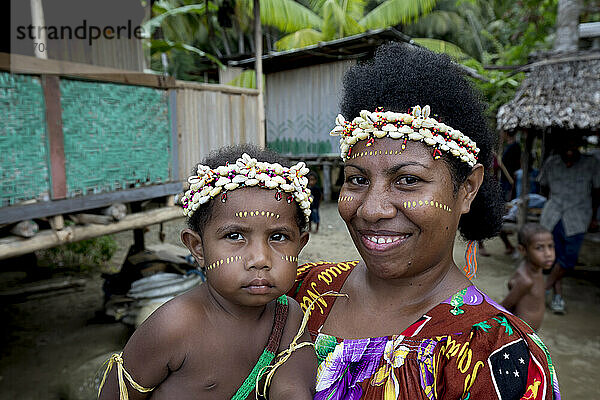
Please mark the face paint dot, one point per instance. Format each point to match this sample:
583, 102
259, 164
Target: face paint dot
245, 213
414, 203
420, 202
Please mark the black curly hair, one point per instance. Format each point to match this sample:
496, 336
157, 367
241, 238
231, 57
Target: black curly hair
401, 76
201, 216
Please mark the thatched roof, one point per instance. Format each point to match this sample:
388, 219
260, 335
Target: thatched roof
558, 93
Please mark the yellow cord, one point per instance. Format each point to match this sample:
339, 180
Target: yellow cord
118, 360
285, 354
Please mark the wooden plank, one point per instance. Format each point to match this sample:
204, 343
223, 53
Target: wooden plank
44, 240
55, 136
16, 63
47, 208
216, 88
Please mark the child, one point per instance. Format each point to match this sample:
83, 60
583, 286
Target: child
526, 287
211, 342
317, 194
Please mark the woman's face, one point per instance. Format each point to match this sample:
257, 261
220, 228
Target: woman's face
400, 207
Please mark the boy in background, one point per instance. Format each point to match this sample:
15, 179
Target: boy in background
526, 296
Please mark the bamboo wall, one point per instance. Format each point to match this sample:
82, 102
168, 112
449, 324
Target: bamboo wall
211, 116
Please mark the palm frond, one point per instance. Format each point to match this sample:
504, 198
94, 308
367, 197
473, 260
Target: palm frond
394, 12
299, 39
153, 23
285, 15
441, 46
164, 46
336, 22
247, 79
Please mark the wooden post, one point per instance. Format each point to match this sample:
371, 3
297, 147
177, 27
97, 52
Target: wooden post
326, 182
138, 234
55, 136
525, 186
258, 47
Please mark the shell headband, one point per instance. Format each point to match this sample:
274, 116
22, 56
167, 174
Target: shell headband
416, 126
247, 172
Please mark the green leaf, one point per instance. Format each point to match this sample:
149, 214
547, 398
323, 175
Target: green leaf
299, 39
394, 12
285, 15
165, 46
441, 46
247, 79
155, 22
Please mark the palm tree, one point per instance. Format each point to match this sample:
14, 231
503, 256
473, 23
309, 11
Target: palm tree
340, 18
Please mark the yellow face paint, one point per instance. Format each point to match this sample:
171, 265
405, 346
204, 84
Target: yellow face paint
256, 213
290, 258
346, 198
432, 203
222, 261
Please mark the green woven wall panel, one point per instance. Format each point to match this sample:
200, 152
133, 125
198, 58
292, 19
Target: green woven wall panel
116, 136
24, 172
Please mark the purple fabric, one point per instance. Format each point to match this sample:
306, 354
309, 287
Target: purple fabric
360, 359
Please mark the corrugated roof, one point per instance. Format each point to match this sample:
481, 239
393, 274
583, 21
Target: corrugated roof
351, 47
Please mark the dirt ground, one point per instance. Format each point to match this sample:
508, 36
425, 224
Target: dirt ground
52, 346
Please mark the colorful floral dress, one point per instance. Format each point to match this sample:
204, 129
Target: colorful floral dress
467, 347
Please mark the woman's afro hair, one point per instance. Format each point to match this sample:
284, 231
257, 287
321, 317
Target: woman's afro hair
201, 216
401, 76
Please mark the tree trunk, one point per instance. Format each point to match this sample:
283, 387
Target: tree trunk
567, 22
259, 75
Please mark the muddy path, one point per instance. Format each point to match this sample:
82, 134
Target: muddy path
52, 346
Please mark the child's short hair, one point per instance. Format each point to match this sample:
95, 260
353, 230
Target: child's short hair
527, 231
230, 154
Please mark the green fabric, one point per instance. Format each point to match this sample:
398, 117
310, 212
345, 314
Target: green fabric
265, 359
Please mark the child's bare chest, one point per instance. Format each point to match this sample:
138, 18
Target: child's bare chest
216, 365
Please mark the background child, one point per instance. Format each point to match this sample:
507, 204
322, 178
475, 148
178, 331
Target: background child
526, 287
317, 194
211, 342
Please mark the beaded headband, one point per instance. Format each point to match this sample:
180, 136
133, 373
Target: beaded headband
416, 126
247, 172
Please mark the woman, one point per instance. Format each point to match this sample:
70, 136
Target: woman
411, 325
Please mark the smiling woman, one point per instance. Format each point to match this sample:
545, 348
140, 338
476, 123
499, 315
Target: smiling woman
416, 147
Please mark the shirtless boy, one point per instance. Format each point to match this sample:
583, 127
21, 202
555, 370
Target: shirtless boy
526, 293
247, 224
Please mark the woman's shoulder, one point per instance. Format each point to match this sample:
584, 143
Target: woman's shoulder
484, 345
324, 275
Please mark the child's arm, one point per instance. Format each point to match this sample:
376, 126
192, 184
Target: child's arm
149, 355
295, 379
517, 287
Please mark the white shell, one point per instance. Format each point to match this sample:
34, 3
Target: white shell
396, 135
222, 181
196, 197
389, 128
222, 170
231, 186
286, 187
340, 120
263, 177
415, 136
337, 130
429, 141
203, 200
271, 184
363, 135
278, 179
239, 179
215, 191
251, 182
426, 133
380, 134
352, 140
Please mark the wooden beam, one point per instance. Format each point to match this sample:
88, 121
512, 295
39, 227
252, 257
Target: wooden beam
215, 88
55, 136
40, 209
19, 64
13, 246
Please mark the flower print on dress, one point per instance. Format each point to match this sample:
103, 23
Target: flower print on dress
425, 360
394, 355
469, 296
352, 361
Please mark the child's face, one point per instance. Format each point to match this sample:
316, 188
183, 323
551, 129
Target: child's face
257, 239
540, 250
312, 180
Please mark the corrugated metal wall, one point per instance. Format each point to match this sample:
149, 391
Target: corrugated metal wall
301, 106
211, 116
